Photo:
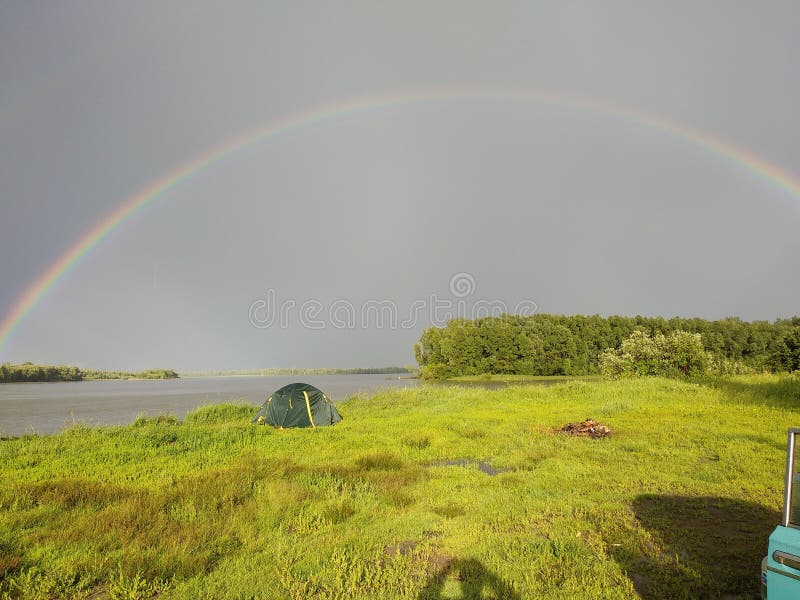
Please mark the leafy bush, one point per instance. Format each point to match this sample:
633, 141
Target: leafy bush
723, 366
437, 371
678, 354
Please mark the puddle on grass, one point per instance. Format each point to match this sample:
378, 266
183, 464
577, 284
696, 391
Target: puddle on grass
483, 466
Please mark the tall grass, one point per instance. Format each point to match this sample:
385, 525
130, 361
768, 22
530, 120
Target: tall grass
395, 502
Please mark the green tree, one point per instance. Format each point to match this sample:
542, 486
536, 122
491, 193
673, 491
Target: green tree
546, 344
790, 350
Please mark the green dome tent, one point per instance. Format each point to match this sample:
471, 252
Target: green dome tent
297, 405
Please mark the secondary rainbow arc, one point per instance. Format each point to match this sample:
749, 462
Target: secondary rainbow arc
30, 297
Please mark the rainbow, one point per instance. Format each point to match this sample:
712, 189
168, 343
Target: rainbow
146, 196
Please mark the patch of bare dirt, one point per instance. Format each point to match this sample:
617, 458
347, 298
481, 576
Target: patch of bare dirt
588, 428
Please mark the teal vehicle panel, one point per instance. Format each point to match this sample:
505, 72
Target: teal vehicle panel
780, 569
783, 581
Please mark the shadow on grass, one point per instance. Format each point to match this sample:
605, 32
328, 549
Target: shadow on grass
781, 393
702, 547
472, 577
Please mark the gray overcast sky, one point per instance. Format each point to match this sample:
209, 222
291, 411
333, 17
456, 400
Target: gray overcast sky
576, 210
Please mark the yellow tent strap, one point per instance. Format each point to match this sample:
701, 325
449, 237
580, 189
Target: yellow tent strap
308, 408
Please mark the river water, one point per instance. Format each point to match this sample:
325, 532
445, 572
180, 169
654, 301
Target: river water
49, 407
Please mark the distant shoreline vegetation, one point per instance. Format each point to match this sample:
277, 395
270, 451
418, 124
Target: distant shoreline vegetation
300, 371
29, 372
561, 345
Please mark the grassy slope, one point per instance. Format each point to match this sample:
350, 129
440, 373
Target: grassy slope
216, 508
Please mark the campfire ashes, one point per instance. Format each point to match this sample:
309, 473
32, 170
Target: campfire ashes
589, 428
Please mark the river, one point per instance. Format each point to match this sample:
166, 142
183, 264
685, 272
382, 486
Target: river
49, 407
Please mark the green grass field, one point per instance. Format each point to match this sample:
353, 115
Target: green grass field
436, 492
521, 378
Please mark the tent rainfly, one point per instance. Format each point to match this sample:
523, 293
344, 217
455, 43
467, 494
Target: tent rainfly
297, 405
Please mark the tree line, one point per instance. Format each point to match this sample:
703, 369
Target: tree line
546, 344
29, 372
